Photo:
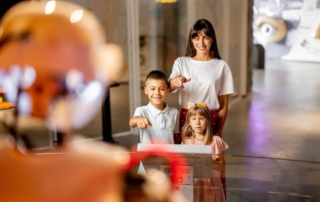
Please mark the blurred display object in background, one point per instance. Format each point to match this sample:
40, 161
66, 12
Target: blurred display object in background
271, 29
288, 29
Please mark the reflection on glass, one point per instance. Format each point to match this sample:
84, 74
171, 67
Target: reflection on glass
50, 7
76, 16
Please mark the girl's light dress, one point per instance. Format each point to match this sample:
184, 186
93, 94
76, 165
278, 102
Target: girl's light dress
209, 189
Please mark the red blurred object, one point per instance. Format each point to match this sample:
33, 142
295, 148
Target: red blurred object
176, 163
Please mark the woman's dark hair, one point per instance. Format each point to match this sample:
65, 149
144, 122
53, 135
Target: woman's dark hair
205, 26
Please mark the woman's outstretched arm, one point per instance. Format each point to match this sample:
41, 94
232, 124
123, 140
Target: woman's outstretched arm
177, 82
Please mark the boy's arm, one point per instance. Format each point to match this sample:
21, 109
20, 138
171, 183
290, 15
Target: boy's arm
141, 122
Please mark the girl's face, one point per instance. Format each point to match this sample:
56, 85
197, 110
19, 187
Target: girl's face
198, 123
202, 43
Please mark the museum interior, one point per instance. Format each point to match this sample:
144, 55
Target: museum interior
272, 127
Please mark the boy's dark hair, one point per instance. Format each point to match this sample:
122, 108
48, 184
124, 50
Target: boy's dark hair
158, 75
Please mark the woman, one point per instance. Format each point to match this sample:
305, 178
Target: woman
202, 76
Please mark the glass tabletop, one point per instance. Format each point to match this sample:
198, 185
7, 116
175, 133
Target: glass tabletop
271, 180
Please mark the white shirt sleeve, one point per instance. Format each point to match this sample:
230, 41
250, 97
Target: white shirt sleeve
176, 70
138, 112
227, 84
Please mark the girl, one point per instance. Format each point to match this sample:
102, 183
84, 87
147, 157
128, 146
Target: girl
198, 131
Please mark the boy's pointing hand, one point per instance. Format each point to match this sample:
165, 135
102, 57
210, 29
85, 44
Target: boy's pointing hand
143, 123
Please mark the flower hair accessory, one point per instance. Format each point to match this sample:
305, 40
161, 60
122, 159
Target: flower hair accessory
201, 104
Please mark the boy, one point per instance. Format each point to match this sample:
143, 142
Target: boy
157, 121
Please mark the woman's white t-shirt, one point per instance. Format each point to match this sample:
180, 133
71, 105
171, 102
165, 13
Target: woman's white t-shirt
209, 79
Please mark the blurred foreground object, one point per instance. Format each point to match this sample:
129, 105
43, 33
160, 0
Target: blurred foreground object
87, 172
55, 67
54, 53
4, 104
51, 68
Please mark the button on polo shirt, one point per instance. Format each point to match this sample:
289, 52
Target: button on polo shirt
161, 120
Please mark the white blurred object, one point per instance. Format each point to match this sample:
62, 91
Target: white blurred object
293, 14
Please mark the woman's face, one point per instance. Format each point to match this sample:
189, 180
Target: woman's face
202, 43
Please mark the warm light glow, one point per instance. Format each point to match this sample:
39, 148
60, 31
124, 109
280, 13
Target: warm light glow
316, 32
166, 1
10, 141
122, 157
50, 6
156, 176
76, 16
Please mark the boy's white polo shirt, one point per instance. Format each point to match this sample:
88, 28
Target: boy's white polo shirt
164, 123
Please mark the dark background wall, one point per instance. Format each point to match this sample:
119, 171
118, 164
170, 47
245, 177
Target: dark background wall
5, 5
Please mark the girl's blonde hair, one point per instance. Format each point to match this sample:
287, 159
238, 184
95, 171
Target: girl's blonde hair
187, 131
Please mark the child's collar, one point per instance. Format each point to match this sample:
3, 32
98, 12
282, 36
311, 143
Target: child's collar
156, 111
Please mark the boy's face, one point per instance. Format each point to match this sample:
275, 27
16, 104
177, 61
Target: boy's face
157, 90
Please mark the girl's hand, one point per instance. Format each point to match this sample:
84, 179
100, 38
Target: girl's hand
178, 81
143, 123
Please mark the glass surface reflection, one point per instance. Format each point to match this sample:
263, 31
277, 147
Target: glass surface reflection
272, 180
